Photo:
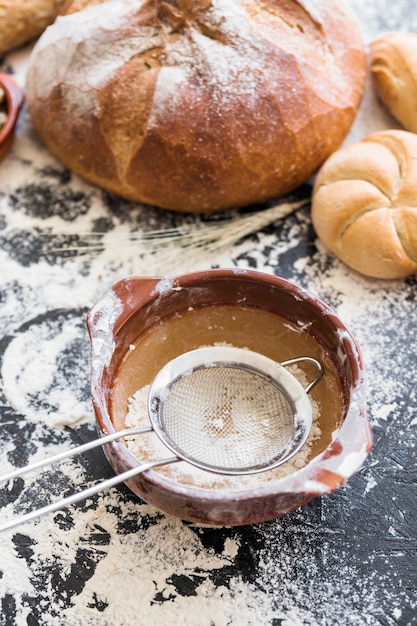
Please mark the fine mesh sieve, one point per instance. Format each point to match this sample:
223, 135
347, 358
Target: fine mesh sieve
222, 409
231, 410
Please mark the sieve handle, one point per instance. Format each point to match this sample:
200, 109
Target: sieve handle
308, 359
85, 493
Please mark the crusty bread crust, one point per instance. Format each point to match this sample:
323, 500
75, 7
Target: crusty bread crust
23, 20
72, 6
393, 65
193, 105
364, 206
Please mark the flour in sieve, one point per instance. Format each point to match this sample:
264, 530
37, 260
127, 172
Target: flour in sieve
148, 446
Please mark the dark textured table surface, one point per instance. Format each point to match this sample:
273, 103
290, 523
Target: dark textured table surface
349, 558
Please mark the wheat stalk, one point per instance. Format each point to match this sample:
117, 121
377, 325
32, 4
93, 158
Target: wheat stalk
163, 246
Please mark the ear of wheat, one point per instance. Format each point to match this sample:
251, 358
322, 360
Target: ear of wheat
161, 248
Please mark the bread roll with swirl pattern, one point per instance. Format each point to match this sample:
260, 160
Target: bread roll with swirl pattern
364, 206
197, 105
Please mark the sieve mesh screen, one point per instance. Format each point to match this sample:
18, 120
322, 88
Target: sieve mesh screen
227, 417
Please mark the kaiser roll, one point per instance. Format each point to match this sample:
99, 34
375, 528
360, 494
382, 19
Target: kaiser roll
364, 206
393, 65
23, 20
197, 105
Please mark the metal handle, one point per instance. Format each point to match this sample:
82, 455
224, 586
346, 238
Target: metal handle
85, 493
309, 359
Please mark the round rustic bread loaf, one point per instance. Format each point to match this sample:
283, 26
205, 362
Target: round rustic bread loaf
197, 105
23, 20
364, 206
393, 65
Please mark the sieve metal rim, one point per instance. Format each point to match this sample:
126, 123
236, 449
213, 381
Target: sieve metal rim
225, 356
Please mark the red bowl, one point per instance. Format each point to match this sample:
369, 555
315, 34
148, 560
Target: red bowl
135, 307
14, 103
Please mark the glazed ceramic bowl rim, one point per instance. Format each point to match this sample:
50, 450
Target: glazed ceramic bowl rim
14, 102
328, 461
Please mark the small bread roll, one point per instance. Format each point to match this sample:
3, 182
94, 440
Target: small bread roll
393, 65
364, 205
23, 20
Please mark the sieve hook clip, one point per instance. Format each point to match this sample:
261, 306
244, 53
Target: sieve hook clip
308, 359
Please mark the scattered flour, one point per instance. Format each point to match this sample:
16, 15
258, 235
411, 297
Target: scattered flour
39, 374
132, 572
118, 561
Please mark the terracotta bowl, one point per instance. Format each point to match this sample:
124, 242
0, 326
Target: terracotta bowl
14, 103
251, 309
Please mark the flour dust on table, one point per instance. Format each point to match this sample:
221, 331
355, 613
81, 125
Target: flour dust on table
349, 558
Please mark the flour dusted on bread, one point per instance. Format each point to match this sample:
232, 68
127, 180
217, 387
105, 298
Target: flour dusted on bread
197, 105
364, 205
